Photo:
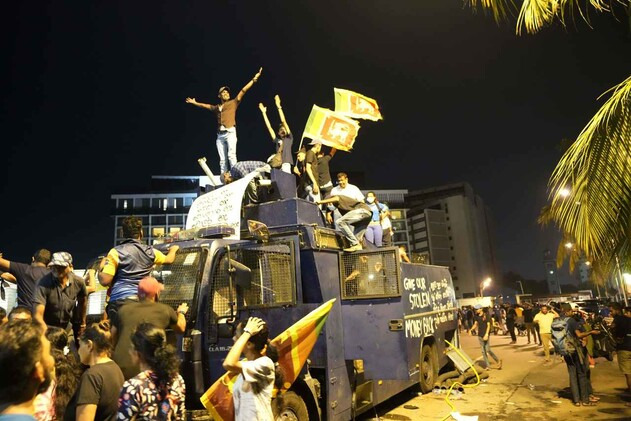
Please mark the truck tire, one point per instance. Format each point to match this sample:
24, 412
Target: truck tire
290, 407
428, 371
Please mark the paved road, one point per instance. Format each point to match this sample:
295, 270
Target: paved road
524, 389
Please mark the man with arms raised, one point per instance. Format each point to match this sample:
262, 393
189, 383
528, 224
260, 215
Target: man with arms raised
27, 276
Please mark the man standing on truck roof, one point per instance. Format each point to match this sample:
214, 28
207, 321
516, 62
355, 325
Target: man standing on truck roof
226, 121
27, 276
355, 217
129, 262
147, 310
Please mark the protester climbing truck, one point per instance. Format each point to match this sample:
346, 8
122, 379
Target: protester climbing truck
386, 332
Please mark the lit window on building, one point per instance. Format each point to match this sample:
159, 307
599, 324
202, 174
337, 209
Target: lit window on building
157, 231
173, 230
125, 204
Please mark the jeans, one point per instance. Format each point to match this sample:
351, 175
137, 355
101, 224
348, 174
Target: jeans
374, 234
579, 378
347, 223
227, 147
486, 351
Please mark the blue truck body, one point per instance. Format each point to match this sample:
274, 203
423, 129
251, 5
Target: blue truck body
385, 333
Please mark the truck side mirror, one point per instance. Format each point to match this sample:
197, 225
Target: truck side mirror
242, 274
258, 230
225, 327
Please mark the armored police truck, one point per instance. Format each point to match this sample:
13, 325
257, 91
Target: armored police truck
385, 333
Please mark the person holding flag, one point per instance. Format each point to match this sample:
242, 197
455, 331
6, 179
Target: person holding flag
257, 376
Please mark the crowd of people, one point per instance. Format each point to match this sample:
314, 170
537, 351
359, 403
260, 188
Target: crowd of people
55, 366
573, 335
344, 206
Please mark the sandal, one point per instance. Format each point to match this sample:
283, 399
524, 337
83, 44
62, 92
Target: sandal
589, 403
577, 404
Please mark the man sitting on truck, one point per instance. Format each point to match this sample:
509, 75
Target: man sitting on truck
129, 262
355, 217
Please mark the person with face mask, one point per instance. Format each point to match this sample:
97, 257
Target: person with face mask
27, 368
60, 293
374, 232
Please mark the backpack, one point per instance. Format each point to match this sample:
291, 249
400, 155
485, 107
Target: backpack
563, 341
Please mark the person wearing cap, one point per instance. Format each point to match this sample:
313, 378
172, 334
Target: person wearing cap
60, 293
147, 310
226, 121
26, 276
311, 169
128, 263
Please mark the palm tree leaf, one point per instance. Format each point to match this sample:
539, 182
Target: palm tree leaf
596, 169
500, 9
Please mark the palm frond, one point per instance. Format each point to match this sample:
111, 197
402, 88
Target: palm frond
534, 14
501, 9
597, 171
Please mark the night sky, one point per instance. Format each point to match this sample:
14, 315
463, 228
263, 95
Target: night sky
93, 103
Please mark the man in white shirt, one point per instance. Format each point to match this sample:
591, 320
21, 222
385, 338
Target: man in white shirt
544, 319
344, 188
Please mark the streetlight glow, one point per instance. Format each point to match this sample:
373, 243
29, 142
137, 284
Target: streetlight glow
627, 278
564, 192
569, 245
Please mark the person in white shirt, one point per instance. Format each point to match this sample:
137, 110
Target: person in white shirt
344, 188
252, 391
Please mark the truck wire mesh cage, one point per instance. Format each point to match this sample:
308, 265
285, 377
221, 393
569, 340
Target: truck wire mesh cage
180, 278
370, 274
273, 278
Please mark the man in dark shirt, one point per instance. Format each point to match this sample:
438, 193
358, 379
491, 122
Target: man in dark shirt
324, 174
283, 139
27, 276
511, 315
60, 293
577, 361
621, 330
355, 217
311, 169
147, 310
226, 121
529, 322
482, 326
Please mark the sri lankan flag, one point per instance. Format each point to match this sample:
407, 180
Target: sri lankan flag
331, 128
352, 104
294, 346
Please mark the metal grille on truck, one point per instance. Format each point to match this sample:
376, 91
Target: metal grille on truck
369, 274
180, 278
273, 278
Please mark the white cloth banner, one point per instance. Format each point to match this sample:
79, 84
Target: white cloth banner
220, 207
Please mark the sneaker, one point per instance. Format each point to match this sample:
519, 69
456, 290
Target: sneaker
356, 247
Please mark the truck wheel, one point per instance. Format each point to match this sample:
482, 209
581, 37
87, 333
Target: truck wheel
290, 407
429, 370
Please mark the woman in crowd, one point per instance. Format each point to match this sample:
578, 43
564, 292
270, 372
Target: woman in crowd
158, 392
96, 397
374, 232
51, 405
252, 391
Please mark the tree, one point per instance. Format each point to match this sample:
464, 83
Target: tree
590, 188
